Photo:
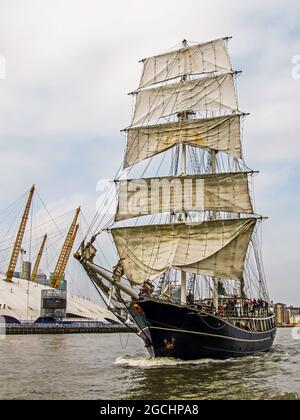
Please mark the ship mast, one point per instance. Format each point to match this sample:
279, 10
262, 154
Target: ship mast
213, 157
183, 273
182, 117
170, 86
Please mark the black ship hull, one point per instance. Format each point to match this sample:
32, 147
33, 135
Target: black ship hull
171, 330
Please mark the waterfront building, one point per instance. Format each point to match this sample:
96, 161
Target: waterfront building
282, 315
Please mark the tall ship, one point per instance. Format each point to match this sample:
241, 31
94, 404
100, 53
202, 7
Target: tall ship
189, 272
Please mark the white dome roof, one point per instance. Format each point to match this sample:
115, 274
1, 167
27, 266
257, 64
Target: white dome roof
22, 300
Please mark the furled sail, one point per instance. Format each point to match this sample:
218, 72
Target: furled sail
201, 58
205, 94
220, 192
216, 248
220, 133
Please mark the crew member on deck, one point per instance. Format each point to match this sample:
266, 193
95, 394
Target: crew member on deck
146, 289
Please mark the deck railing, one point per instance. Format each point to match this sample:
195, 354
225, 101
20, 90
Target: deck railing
240, 312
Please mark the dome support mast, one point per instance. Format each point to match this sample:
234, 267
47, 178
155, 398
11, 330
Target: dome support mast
65, 253
19, 239
38, 260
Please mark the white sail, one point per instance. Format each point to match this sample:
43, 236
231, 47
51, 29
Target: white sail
220, 133
217, 248
201, 58
221, 192
228, 263
205, 94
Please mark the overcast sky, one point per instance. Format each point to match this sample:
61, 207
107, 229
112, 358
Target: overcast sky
70, 64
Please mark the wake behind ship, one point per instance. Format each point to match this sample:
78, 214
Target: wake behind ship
190, 273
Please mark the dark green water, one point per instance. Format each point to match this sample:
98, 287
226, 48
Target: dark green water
96, 367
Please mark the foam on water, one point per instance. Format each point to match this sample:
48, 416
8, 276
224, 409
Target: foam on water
140, 361
164, 362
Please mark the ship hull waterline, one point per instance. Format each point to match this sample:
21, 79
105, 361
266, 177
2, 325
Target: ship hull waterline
174, 331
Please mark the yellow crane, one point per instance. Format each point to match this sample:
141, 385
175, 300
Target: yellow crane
38, 260
65, 253
19, 239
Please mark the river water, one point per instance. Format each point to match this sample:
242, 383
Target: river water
113, 366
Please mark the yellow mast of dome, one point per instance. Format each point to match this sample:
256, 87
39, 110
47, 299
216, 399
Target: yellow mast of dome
19, 239
65, 253
38, 260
